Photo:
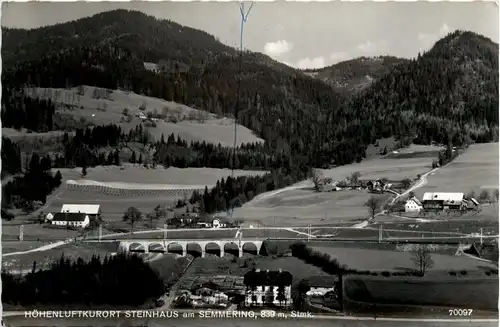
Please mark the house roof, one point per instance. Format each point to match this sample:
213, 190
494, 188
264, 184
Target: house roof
268, 278
447, 198
474, 201
69, 216
89, 209
414, 199
322, 281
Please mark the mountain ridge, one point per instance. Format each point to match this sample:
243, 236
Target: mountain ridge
302, 116
356, 74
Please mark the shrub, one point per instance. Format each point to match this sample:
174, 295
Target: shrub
487, 273
452, 273
374, 274
463, 272
385, 273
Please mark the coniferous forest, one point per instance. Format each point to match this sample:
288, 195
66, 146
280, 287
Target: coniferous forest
97, 282
448, 94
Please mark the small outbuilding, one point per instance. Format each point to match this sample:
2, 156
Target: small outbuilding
91, 210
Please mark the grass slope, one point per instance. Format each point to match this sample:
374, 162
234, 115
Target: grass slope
109, 111
475, 170
139, 174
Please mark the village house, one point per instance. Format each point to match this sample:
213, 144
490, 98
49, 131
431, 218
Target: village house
413, 205
444, 201
68, 219
262, 287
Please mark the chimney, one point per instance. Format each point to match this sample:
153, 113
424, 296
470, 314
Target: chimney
280, 270
267, 270
257, 270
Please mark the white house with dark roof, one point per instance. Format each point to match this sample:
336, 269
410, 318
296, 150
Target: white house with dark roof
74, 219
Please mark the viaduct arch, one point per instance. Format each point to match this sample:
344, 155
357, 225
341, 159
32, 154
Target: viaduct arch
184, 247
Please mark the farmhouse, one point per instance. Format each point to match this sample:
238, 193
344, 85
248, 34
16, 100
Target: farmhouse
263, 287
413, 205
444, 201
70, 219
91, 210
377, 185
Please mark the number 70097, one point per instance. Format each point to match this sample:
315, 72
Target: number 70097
460, 312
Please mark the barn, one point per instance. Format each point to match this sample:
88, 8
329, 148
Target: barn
444, 201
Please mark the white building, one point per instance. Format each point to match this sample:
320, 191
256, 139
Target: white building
441, 200
71, 219
92, 210
413, 205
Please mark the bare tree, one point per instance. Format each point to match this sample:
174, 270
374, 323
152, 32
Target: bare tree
422, 258
372, 204
80, 90
132, 215
317, 176
484, 196
495, 195
354, 178
406, 183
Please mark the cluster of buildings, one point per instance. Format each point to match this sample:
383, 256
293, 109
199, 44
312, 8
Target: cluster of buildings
436, 201
329, 185
259, 288
75, 215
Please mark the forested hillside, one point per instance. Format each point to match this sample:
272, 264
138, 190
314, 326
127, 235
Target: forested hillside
357, 74
450, 92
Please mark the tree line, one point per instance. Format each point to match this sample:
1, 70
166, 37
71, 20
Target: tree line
93, 283
20, 111
233, 192
32, 187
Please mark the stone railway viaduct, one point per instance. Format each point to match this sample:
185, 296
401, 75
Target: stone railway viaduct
186, 246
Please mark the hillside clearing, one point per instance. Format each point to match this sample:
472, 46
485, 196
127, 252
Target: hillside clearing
300, 207
201, 125
475, 170
130, 173
386, 167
